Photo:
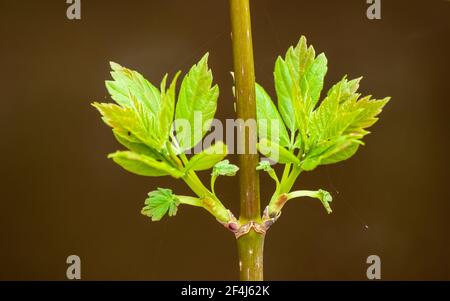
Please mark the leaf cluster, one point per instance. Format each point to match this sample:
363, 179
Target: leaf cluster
304, 131
158, 126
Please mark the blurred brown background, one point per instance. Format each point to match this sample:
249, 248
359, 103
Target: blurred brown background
61, 196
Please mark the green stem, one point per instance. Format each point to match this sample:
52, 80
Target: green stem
213, 182
188, 200
244, 71
209, 201
301, 193
287, 169
289, 182
250, 249
277, 204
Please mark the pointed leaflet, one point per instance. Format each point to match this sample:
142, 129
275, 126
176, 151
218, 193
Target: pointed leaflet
132, 122
197, 99
301, 116
312, 81
365, 112
340, 152
368, 110
338, 125
208, 157
283, 85
143, 165
136, 146
270, 124
332, 151
159, 203
299, 67
128, 82
166, 112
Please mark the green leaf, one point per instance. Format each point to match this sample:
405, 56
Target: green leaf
159, 203
367, 109
135, 145
302, 117
153, 109
264, 165
224, 168
310, 163
331, 151
144, 165
130, 122
269, 119
276, 152
166, 113
340, 152
299, 77
337, 126
197, 98
208, 157
128, 82
283, 85
312, 81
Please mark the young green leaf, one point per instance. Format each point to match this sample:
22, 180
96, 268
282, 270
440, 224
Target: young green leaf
276, 152
130, 122
310, 163
167, 110
312, 81
283, 85
340, 151
143, 165
300, 70
270, 124
264, 166
128, 82
337, 126
224, 168
301, 116
159, 203
197, 100
208, 157
135, 145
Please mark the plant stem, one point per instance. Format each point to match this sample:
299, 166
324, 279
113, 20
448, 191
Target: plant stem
250, 248
251, 245
287, 185
209, 200
244, 71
